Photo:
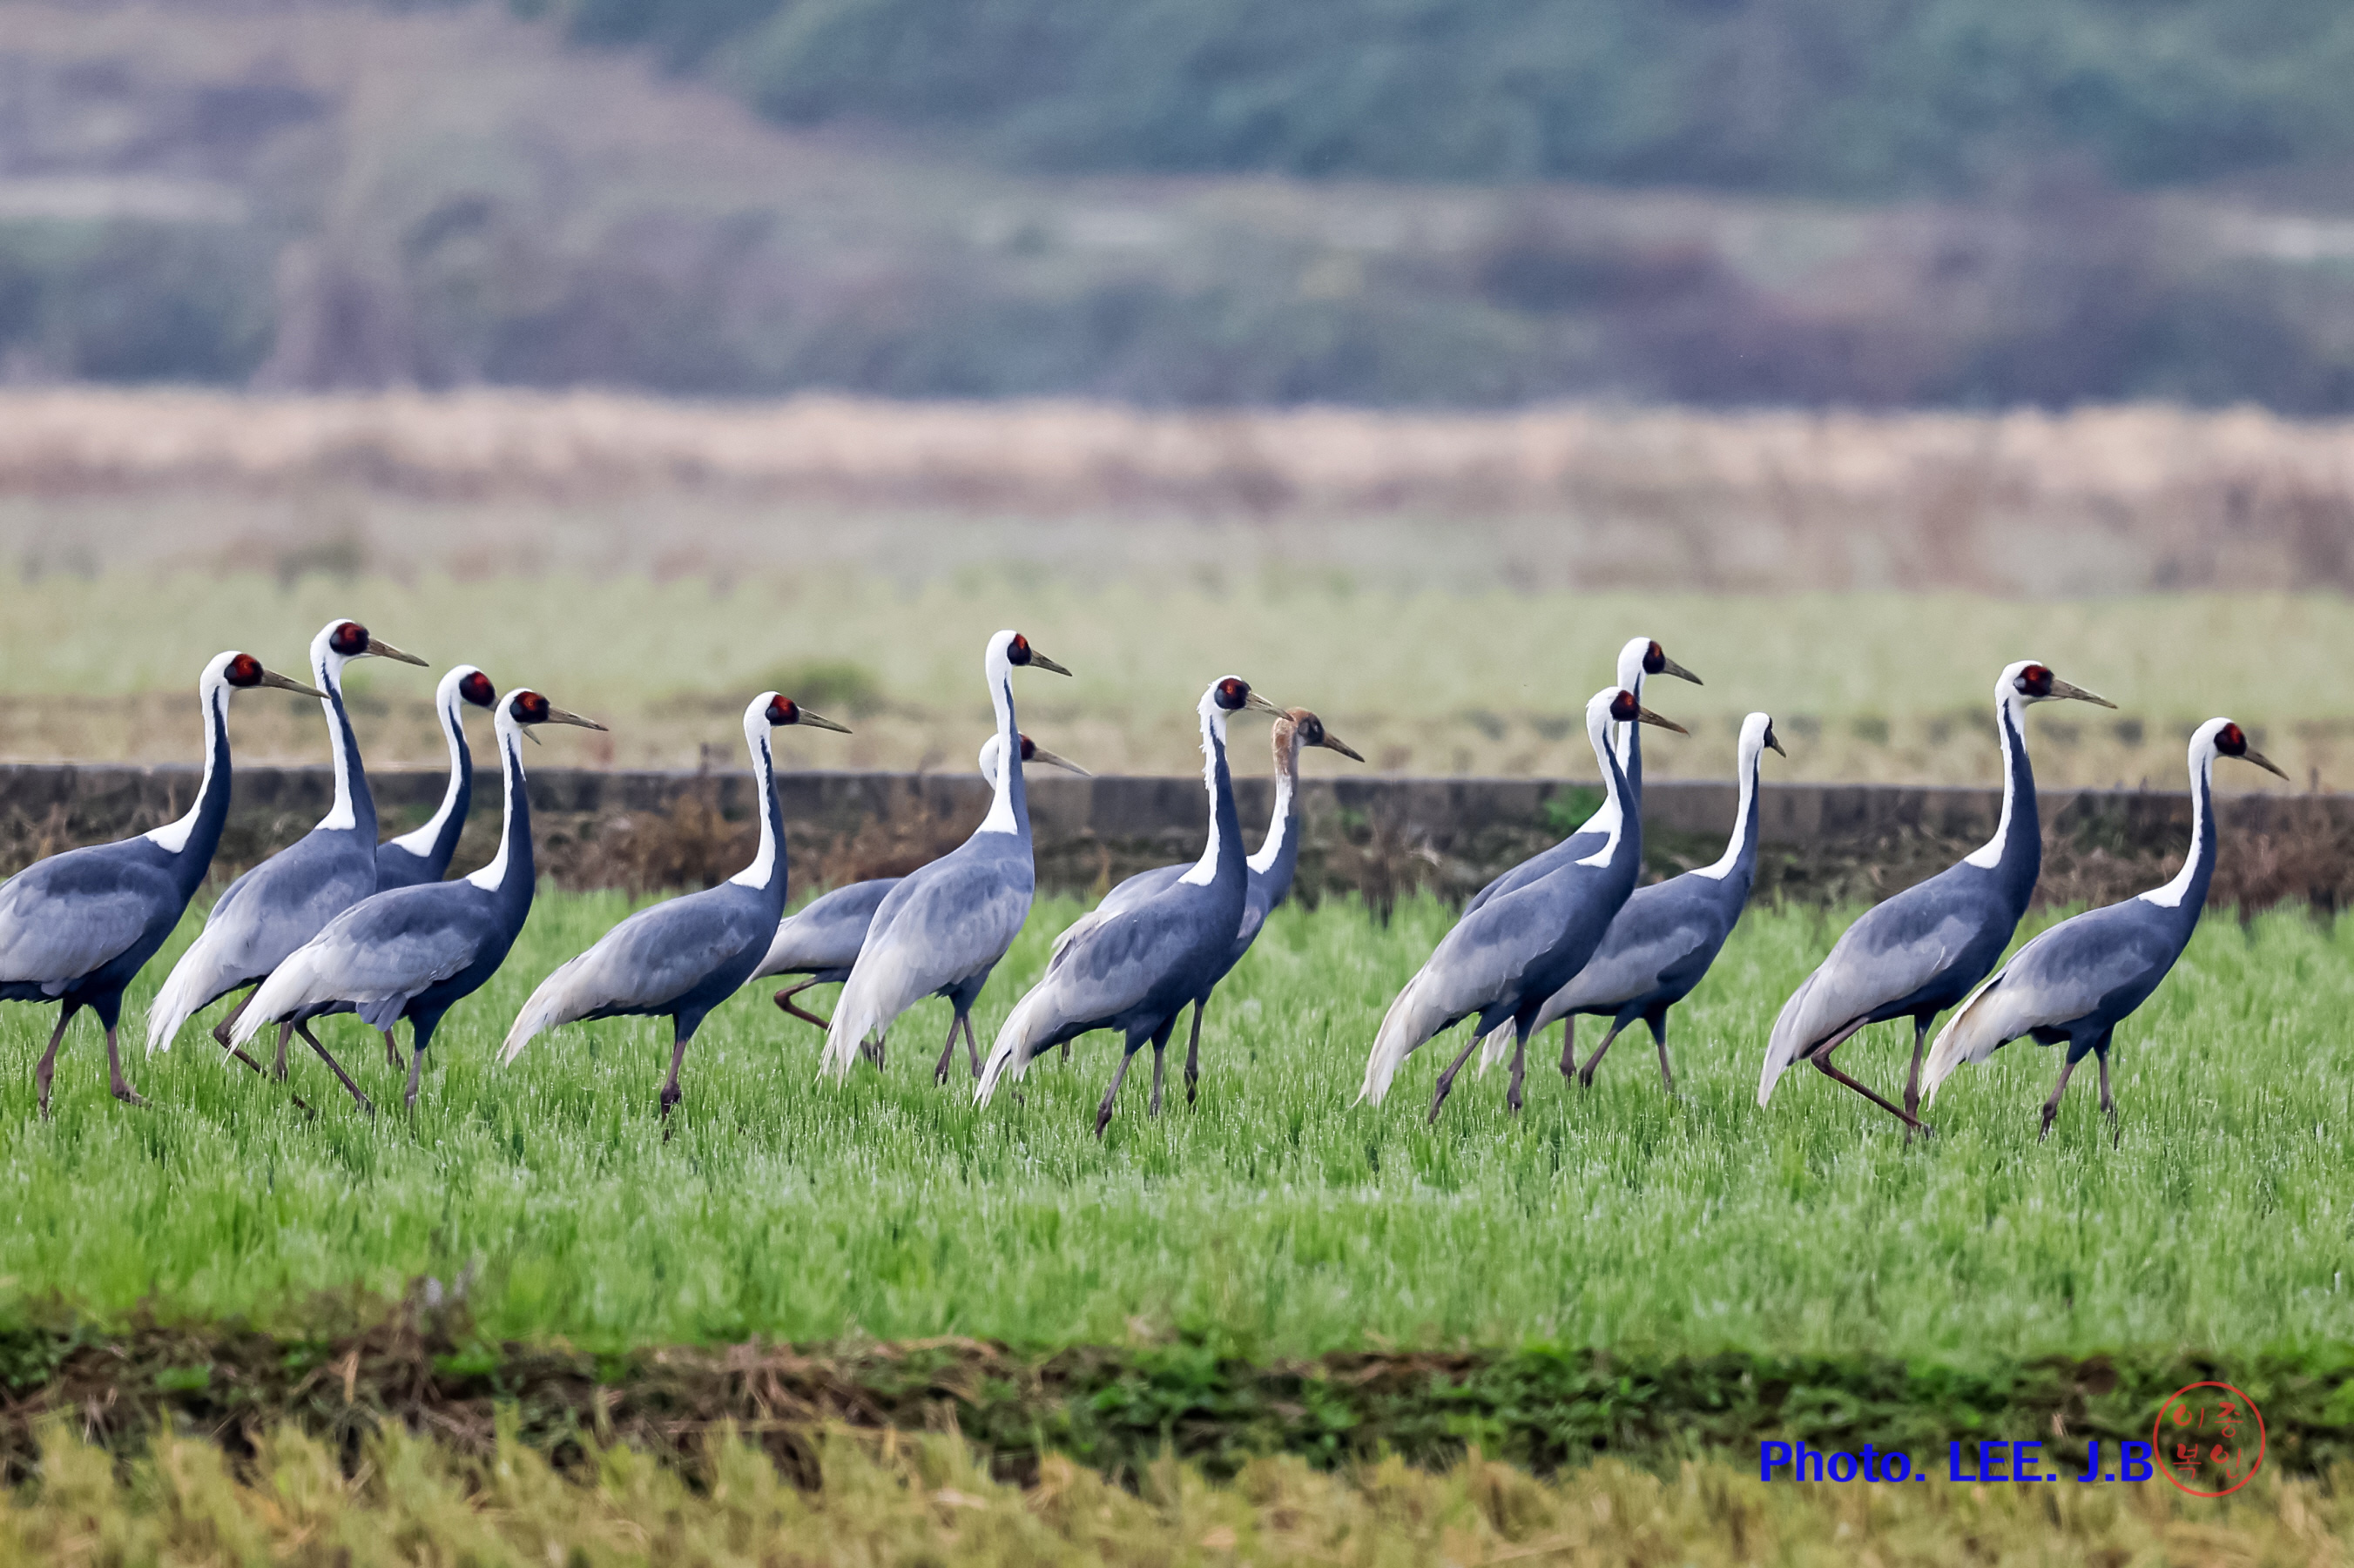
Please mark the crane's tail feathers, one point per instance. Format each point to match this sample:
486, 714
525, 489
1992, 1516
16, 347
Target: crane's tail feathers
1496, 1046
291, 986
1978, 1029
195, 982
1413, 1018
882, 984
551, 1006
1782, 1047
1016, 1042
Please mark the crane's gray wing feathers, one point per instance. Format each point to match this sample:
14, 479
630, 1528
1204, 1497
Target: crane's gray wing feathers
67, 917
2068, 973
1874, 962
829, 932
946, 923
1139, 889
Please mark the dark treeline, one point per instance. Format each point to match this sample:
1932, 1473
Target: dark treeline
1850, 98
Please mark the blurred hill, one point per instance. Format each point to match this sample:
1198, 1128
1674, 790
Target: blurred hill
1952, 202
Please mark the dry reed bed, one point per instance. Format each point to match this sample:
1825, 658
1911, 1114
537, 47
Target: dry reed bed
2145, 496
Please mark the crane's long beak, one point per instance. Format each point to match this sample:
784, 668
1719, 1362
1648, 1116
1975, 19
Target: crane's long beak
1255, 701
2260, 760
822, 722
1040, 754
1776, 742
562, 716
1040, 661
1669, 667
383, 649
2060, 688
1645, 716
1334, 743
272, 678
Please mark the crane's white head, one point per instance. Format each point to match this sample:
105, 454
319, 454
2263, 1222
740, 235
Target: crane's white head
1756, 736
1230, 695
236, 672
341, 641
464, 684
1298, 728
1009, 649
1031, 752
1643, 656
2221, 737
1616, 704
521, 709
2031, 682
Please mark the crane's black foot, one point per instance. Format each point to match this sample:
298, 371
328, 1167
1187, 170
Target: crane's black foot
1586, 1077
1437, 1100
126, 1094
392, 1054
416, 1071
671, 1095
2050, 1114
1103, 1120
1512, 1097
1193, 1085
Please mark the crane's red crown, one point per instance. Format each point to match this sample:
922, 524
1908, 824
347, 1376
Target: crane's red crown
349, 639
245, 670
1233, 693
476, 689
784, 710
528, 707
1624, 707
2035, 681
2231, 741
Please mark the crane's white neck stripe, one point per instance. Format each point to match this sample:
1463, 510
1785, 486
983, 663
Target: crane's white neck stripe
329, 669
173, 837
1009, 751
421, 840
1725, 866
1213, 741
510, 737
764, 771
2008, 712
1600, 733
1264, 862
2202, 784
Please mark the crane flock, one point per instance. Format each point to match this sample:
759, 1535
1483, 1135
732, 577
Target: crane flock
339, 923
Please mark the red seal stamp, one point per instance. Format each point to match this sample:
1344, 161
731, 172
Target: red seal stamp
2208, 1439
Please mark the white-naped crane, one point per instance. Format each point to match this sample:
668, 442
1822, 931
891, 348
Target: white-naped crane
424, 855
1503, 959
75, 928
1640, 657
822, 940
944, 927
2077, 981
1663, 942
414, 952
680, 958
1917, 954
282, 903
1271, 867
1136, 971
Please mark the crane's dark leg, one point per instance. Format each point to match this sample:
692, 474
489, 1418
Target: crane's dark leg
784, 998
1160, 1043
1822, 1060
415, 1070
47, 1067
680, 1035
2051, 1105
1569, 1046
117, 1084
1446, 1078
948, 1052
391, 1052
1658, 1020
972, 1047
1194, 1051
1520, 1068
1585, 1074
871, 1048
221, 1030
2108, 1104
1119, 1074
337, 1068
1920, 1022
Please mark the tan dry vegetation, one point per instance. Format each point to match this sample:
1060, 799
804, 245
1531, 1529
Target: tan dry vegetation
931, 1500
2101, 499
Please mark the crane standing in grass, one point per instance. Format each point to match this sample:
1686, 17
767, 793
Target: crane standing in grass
1663, 942
823, 939
1917, 954
2073, 984
944, 927
1137, 970
414, 952
75, 928
681, 958
283, 902
1502, 961
1270, 869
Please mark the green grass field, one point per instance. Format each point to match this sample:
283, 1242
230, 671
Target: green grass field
1272, 1218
